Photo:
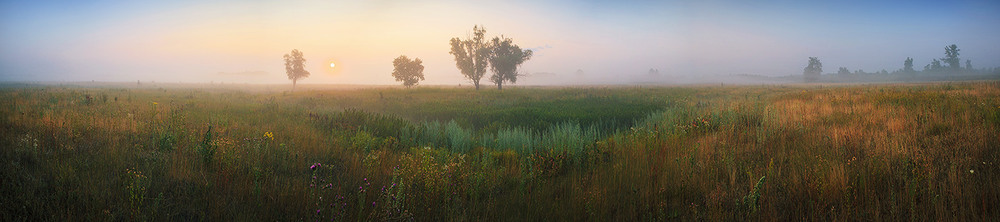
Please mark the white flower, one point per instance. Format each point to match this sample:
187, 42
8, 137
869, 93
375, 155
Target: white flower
972, 171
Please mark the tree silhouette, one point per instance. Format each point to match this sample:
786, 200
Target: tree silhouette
968, 65
407, 71
908, 66
813, 71
471, 55
936, 65
843, 71
505, 57
951, 57
295, 66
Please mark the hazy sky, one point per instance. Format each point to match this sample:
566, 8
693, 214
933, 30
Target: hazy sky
611, 41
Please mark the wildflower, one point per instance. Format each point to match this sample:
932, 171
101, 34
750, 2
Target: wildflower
269, 135
314, 166
972, 171
154, 103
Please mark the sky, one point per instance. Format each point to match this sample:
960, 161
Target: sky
609, 42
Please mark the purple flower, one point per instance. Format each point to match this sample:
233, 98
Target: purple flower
314, 166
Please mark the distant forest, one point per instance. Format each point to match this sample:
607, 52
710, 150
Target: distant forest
950, 67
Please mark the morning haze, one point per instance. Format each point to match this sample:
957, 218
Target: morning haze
386, 110
612, 42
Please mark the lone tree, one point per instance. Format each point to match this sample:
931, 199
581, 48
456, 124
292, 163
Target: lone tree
471, 55
504, 59
295, 66
951, 57
407, 71
814, 69
908, 66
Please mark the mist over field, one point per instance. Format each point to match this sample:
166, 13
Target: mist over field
611, 42
441, 110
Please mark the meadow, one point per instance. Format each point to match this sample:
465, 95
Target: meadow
916, 151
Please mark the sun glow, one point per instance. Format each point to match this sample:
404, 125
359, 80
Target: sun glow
332, 65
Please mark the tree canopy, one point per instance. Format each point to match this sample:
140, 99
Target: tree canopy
908, 65
951, 57
813, 70
471, 55
295, 66
505, 57
407, 71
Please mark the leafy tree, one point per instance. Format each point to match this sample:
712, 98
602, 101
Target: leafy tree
843, 71
505, 57
407, 71
471, 55
968, 65
908, 66
951, 57
295, 66
813, 71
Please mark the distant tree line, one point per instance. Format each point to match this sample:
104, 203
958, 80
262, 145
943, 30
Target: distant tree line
949, 65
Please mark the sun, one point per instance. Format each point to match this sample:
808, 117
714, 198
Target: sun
332, 65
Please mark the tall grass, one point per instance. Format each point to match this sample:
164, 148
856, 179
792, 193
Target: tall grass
843, 152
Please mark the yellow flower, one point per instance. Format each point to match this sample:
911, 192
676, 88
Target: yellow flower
154, 103
269, 135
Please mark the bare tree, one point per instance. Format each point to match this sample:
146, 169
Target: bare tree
408, 71
505, 57
471, 55
295, 66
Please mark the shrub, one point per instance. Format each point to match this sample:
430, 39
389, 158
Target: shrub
459, 139
517, 139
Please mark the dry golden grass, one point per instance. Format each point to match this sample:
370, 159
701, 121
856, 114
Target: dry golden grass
842, 152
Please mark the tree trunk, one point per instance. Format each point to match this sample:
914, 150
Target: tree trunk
293, 84
500, 85
476, 82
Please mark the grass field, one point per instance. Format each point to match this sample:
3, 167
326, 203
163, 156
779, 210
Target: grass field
784, 152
